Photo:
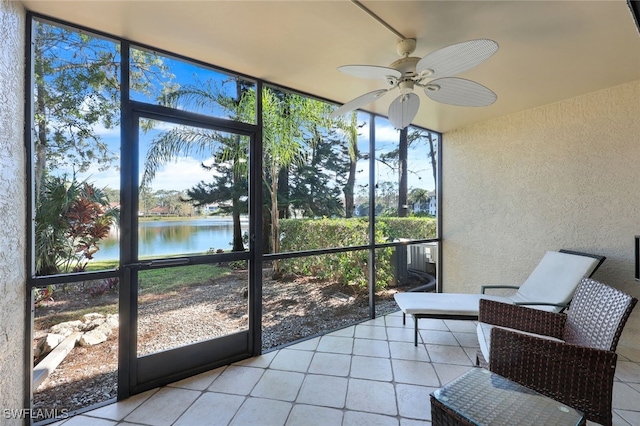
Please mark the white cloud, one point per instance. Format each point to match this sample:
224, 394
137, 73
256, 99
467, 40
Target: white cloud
182, 174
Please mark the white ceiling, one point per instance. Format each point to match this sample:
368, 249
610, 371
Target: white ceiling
549, 50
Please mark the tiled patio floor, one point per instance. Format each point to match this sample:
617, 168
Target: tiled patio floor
367, 374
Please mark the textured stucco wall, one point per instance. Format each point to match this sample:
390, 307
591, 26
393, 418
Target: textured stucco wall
12, 208
565, 175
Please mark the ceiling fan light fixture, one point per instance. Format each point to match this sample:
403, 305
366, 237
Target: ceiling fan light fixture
403, 110
406, 86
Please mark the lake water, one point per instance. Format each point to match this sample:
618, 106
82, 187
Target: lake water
158, 238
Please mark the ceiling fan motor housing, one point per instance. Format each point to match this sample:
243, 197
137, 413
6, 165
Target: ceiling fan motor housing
407, 66
406, 47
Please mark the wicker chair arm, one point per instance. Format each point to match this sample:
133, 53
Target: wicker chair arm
577, 376
485, 287
522, 318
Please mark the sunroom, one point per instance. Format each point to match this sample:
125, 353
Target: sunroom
227, 230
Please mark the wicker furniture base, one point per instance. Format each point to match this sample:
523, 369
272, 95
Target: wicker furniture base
480, 397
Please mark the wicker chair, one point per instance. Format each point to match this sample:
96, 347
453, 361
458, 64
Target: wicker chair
568, 357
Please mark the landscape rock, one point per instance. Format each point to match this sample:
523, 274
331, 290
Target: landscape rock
66, 328
93, 324
93, 337
112, 320
92, 316
47, 344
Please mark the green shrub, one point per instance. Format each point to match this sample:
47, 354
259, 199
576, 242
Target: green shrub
350, 268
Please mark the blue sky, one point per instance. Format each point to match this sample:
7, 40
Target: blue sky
186, 171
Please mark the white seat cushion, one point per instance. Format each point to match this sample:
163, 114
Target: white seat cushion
554, 280
484, 337
443, 303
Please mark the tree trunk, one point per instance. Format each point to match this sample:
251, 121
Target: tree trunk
275, 231
348, 190
402, 168
432, 155
238, 244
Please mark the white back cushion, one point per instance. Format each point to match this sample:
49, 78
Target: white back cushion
555, 279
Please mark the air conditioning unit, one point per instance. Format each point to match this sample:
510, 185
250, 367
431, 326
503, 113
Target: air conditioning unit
423, 257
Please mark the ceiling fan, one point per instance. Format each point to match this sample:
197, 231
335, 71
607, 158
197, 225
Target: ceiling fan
434, 73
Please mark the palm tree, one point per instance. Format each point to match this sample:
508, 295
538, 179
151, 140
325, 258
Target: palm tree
350, 130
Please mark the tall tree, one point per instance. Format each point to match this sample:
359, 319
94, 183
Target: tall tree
314, 187
288, 125
77, 92
230, 152
350, 131
76, 97
229, 185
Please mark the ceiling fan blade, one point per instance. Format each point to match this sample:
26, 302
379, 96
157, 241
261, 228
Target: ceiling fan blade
370, 71
457, 58
460, 92
403, 110
358, 102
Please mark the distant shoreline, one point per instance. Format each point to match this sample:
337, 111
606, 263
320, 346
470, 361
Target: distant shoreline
182, 218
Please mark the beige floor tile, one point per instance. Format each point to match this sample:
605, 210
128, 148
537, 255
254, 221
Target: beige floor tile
280, 385
199, 382
263, 412
292, 360
369, 347
371, 397
629, 352
164, 407
448, 355
448, 372
436, 337
58, 423
370, 354
119, 410
364, 367
467, 340
393, 320
407, 350
414, 372
628, 371
401, 334
371, 332
211, 409
333, 344
636, 386
631, 417
310, 415
471, 354
89, 421
327, 391
428, 324
358, 418
331, 364
461, 326
237, 380
413, 401
306, 345
379, 321
261, 361
625, 397
411, 422
344, 332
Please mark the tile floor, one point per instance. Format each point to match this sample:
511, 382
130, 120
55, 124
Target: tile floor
366, 374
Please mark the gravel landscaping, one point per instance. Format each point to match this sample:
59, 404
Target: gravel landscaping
293, 308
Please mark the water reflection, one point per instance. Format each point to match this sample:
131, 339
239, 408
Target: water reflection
163, 238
